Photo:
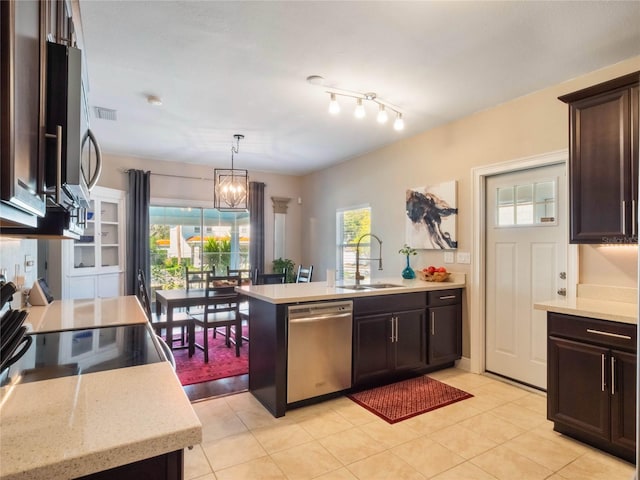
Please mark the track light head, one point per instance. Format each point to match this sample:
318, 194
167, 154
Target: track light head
398, 124
334, 106
359, 111
382, 114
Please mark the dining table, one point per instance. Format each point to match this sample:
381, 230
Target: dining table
169, 300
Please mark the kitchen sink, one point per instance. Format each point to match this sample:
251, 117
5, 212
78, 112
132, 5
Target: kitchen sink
369, 286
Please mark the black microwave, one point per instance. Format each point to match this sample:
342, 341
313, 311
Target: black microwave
72, 158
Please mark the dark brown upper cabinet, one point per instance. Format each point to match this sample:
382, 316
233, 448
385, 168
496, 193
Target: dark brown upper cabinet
603, 162
22, 37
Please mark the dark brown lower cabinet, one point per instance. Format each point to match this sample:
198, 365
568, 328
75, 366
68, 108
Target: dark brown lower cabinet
591, 384
388, 344
398, 335
169, 466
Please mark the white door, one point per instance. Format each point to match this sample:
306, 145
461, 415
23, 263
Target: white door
526, 262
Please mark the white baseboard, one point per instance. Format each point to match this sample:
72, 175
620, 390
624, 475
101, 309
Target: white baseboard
464, 364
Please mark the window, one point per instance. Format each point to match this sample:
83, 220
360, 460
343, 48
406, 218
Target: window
530, 204
351, 224
176, 242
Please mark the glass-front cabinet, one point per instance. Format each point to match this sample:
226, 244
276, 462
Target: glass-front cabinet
92, 266
101, 245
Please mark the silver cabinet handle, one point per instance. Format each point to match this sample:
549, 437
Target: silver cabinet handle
448, 297
624, 217
58, 137
608, 334
396, 322
602, 384
634, 217
613, 375
433, 323
393, 330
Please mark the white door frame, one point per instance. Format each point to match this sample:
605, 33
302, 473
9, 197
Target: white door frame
477, 320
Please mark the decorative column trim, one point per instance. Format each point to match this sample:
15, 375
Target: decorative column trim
280, 204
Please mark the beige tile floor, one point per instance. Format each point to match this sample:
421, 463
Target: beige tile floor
501, 433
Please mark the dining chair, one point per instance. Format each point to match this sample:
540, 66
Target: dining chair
245, 279
221, 310
180, 320
244, 274
197, 278
268, 278
304, 274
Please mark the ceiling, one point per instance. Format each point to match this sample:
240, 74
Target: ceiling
223, 68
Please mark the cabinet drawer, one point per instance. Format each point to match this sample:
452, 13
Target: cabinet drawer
444, 297
592, 330
389, 303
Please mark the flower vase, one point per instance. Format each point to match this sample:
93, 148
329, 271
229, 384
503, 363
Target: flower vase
408, 272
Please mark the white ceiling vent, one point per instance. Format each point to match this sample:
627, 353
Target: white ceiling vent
105, 113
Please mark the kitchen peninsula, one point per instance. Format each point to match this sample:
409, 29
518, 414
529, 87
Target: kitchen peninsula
100, 421
400, 327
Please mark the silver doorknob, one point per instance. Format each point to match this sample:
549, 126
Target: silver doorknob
562, 291
563, 275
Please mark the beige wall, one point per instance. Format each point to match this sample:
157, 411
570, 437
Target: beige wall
530, 125
182, 189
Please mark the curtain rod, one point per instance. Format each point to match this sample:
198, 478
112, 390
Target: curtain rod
175, 176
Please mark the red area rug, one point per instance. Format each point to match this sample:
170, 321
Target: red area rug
406, 399
223, 362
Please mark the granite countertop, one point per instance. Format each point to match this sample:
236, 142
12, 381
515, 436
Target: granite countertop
624, 312
89, 313
315, 291
73, 426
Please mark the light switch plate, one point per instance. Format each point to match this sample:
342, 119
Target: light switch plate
28, 263
448, 257
464, 257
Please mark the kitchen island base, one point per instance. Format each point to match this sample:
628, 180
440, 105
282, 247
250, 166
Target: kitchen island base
163, 467
426, 336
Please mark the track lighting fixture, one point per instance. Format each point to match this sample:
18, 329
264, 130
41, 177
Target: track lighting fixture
359, 112
383, 106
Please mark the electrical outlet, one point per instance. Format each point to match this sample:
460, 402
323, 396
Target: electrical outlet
464, 257
448, 257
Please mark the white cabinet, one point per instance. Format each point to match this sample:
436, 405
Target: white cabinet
92, 266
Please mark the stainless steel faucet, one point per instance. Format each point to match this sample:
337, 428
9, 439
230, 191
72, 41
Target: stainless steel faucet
358, 276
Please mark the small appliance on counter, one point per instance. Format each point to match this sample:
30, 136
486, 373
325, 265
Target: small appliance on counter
13, 333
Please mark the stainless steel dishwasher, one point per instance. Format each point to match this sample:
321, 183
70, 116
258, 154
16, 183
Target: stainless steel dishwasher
319, 349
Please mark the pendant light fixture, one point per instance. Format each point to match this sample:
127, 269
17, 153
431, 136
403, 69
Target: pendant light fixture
231, 186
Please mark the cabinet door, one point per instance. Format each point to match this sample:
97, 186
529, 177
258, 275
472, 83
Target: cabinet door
577, 393
623, 399
22, 25
410, 344
600, 168
635, 155
372, 355
444, 334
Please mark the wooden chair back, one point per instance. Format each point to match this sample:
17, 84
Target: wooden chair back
304, 274
269, 278
143, 294
197, 278
245, 275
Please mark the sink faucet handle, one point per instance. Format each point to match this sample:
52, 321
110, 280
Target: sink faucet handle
359, 276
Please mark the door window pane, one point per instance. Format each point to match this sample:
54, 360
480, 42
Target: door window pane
526, 204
